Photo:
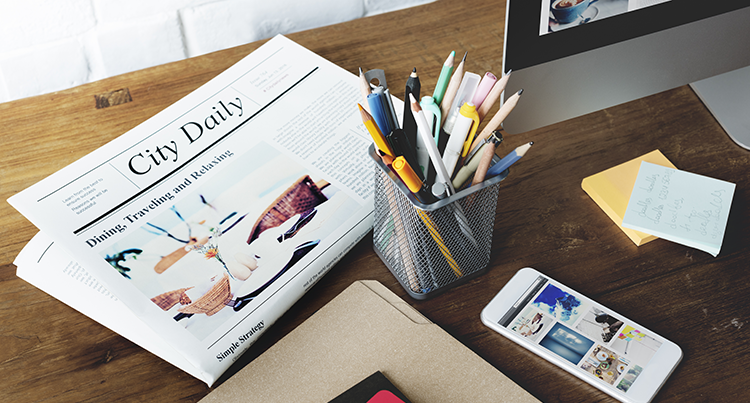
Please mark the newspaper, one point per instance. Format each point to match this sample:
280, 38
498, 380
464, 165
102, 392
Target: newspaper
208, 221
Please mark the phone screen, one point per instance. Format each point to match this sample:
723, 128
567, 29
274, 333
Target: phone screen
586, 335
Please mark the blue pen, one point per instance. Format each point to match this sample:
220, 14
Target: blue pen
508, 160
378, 112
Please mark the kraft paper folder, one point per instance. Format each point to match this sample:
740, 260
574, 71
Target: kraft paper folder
366, 329
611, 190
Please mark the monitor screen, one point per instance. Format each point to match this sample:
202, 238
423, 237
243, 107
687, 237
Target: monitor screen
613, 51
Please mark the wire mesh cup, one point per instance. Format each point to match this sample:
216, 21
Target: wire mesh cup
432, 247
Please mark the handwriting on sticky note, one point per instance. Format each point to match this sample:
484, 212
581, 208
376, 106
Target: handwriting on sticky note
680, 206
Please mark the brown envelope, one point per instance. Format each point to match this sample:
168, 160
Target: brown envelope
366, 329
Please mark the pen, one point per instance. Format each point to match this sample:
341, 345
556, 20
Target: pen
424, 131
391, 111
493, 96
442, 81
377, 110
410, 130
442, 173
488, 81
377, 136
496, 120
450, 92
508, 160
432, 114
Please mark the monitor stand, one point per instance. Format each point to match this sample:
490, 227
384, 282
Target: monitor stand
727, 97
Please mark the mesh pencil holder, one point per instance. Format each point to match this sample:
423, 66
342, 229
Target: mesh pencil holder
432, 247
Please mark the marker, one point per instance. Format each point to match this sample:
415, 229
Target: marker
442, 82
488, 81
411, 180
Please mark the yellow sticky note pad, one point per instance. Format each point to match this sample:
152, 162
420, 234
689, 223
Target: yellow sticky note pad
611, 189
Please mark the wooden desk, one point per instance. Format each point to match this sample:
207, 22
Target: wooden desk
544, 220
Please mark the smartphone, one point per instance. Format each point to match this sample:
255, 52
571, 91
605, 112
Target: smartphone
609, 351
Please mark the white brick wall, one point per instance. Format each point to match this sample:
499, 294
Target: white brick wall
51, 45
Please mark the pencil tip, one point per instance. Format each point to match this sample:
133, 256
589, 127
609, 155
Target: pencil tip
520, 91
465, 54
414, 71
360, 106
531, 143
360, 71
509, 71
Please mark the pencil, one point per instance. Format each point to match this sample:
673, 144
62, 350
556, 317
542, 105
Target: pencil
484, 162
442, 82
509, 160
364, 88
450, 92
496, 120
439, 241
493, 96
377, 136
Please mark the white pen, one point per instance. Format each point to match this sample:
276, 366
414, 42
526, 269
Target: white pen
429, 142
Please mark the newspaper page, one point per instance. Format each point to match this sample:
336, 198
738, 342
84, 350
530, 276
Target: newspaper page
209, 220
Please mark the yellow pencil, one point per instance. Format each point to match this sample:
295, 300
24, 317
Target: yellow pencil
439, 241
377, 136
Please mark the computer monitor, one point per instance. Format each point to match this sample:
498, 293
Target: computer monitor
606, 55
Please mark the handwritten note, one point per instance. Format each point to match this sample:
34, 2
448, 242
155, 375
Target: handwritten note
680, 206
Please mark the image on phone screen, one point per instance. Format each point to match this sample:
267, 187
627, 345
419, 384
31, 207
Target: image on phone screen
594, 341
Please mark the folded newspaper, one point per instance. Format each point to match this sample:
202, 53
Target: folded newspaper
193, 232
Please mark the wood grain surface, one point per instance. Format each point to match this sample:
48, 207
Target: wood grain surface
50, 352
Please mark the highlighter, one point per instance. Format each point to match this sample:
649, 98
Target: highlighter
465, 93
484, 87
456, 141
467, 115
